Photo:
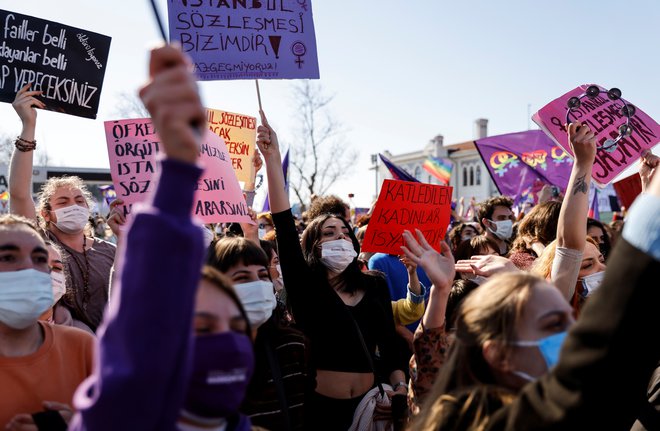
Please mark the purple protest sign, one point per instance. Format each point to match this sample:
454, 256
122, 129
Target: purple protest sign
520, 162
133, 146
603, 116
246, 39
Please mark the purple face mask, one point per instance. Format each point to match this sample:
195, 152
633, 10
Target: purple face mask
222, 368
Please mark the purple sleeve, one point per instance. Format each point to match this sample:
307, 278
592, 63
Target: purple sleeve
142, 366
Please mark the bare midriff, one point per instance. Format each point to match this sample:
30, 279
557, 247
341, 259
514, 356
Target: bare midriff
342, 385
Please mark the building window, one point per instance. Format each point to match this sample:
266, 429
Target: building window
478, 175
464, 177
418, 173
471, 176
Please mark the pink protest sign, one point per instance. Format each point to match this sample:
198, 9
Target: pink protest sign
246, 39
132, 148
603, 116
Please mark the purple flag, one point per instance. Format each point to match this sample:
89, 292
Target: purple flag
520, 163
594, 213
285, 169
397, 172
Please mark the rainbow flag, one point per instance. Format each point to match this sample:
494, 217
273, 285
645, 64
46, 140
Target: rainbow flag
4, 196
439, 168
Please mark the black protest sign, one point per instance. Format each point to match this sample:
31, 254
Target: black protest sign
66, 63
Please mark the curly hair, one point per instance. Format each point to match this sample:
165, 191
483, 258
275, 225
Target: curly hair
51, 186
330, 204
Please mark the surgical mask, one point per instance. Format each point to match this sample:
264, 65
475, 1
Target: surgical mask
504, 229
24, 296
262, 233
59, 285
222, 368
591, 283
258, 299
72, 219
337, 255
549, 348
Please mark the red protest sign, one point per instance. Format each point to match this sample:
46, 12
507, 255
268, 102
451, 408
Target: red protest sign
404, 205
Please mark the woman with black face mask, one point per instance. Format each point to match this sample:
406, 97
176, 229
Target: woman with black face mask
174, 351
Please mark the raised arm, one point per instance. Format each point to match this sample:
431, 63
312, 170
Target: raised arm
430, 343
572, 224
20, 171
142, 354
613, 338
270, 148
439, 267
571, 227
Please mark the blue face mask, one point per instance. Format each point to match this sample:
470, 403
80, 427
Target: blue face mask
549, 348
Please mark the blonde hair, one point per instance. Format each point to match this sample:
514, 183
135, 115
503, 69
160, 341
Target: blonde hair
51, 186
543, 265
466, 393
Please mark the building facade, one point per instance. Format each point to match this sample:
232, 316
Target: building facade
469, 176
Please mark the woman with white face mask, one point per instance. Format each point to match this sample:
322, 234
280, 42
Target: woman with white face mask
59, 314
41, 364
276, 396
63, 214
346, 314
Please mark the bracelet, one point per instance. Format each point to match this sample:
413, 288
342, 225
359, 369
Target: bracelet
399, 384
24, 145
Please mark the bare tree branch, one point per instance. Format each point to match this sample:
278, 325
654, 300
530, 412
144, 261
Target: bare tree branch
130, 106
320, 155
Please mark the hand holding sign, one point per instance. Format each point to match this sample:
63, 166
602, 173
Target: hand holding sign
24, 104
583, 143
172, 99
267, 138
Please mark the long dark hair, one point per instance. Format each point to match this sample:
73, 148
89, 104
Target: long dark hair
352, 277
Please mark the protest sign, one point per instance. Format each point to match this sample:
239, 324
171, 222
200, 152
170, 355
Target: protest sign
132, 148
246, 39
240, 134
603, 117
520, 163
66, 63
405, 205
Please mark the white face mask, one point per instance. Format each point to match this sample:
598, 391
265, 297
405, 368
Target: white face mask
337, 255
71, 219
262, 233
59, 285
258, 299
504, 229
24, 296
592, 282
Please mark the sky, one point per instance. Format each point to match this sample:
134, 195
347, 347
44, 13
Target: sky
400, 72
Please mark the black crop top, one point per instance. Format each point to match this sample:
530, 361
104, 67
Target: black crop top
325, 319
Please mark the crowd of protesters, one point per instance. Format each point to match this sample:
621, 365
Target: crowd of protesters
544, 320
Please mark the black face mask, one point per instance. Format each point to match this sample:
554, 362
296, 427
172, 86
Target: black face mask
604, 249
